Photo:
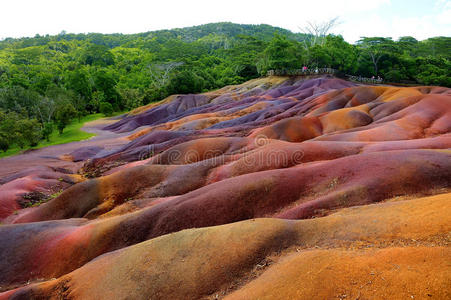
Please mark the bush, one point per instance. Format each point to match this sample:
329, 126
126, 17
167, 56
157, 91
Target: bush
4, 144
30, 132
47, 131
132, 98
393, 76
186, 82
152, 95
106, 108
65, 112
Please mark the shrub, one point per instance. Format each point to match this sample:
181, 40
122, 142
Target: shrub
393, 76
4, 144
47, 131
106, 108
30, 131
64, 114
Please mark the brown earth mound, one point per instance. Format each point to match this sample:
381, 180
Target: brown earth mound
267, 190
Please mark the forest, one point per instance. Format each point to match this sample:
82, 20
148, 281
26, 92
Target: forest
48, 81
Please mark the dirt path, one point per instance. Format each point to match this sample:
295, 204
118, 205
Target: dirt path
51, 156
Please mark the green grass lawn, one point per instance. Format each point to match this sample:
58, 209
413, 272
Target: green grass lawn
71, 133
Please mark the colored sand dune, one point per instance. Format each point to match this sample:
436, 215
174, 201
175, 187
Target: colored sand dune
282, 187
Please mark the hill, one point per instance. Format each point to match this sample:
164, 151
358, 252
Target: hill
289, 187
187, 34
46, 81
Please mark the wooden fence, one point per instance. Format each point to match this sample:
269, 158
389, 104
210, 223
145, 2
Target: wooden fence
322, 71
365, 79
301, 72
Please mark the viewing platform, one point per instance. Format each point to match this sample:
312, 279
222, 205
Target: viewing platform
301, 72
322, 71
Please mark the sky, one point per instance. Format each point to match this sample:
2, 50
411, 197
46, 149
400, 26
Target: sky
389, 18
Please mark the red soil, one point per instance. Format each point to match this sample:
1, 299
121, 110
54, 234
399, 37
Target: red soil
301, 163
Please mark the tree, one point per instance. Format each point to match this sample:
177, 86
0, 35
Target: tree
97, 55
245, 53
30, 131
393, 76
342, 55
47, 130
97, 98
374, 48
81, 82
161, 73
105, 81
45, 109
19, 139
408, 45
185, 82
281, 53
132, 98
316, 32
318, 56
19, 99
106, 108
8, 128
79, 104
437, 46
4, 144
65, 112
433, 71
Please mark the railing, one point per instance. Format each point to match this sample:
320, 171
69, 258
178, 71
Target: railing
365, 79
300, 72
322, 71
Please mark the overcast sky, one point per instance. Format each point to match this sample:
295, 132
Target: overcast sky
389, 18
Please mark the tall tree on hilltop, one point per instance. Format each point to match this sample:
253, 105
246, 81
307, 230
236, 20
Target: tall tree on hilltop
316, 32
375, 48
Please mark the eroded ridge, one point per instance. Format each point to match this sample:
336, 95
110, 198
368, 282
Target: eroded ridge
261, 190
